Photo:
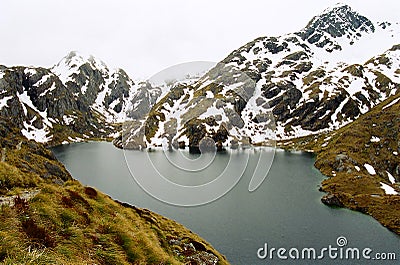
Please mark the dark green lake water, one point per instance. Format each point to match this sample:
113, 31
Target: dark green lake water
285, 211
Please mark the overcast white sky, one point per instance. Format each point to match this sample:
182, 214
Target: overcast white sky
144, 37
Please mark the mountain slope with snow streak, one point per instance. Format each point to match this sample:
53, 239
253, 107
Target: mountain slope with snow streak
318, 79
79, 98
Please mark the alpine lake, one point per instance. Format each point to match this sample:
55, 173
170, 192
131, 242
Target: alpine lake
285, 211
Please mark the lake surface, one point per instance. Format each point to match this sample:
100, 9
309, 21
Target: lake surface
284, 212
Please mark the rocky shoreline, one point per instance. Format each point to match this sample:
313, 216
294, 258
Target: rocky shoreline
361, 163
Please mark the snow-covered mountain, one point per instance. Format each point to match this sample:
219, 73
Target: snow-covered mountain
78, 98
106, 91
317, 79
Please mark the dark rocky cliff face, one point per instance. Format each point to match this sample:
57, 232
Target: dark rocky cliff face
50, 96
120, 91
91, 80
36, 99
79, 98
336, 22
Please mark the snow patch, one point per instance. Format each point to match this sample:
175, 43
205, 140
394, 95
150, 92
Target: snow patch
355, 86
42, 80
76, 140
33, 133
84, 87
388, 189
391, 103
391, 178
29, 71
53, 86
68, 119
26, 100
3, 101
370, 169
375, 139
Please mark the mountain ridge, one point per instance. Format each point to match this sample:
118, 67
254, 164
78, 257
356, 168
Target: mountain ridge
286, 69
306, 87
336, 21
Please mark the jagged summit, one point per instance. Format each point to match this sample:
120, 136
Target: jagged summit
73, 61
315, 80
320, 78
334, 23
335, 8
75, 58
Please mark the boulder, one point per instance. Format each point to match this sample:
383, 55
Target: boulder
332, 200
234, 144
181, 145
341, 157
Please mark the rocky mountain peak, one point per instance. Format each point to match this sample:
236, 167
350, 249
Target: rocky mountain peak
73, 59
74, 62
301, 83
336, 26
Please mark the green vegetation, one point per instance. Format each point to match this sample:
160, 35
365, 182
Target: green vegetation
355, 70
78, 225
152, 123
383, 82
215, 88
380, 60
86, 127
308, 79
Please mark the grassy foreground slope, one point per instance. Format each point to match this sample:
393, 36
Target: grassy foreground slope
345, 155
46, 217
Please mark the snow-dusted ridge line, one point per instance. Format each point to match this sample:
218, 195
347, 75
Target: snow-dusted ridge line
356, 46
309, 84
